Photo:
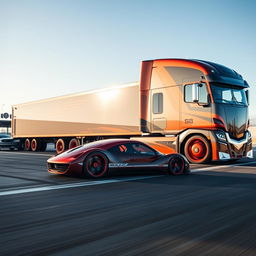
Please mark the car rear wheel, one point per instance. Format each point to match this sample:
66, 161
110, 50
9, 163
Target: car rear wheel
197, 149
96, 165
176, 165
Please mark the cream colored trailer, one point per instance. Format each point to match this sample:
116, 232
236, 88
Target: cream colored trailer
105, 112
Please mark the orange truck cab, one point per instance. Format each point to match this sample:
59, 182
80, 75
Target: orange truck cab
203, 105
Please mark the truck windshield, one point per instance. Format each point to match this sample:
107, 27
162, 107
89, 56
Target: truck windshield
228, 94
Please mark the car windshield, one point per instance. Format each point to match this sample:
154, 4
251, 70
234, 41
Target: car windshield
228, 95
5, 136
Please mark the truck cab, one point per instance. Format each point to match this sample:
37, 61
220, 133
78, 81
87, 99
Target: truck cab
204, 105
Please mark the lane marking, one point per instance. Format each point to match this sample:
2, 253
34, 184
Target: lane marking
74, 185
26, 153
211, 168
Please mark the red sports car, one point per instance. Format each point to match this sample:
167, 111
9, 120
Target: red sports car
95, 159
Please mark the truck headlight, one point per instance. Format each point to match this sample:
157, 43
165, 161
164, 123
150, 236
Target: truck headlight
220, 135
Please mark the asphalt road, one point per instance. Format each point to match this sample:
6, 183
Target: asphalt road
210, 212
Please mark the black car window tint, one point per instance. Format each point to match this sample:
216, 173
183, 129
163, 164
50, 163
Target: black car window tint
142, 149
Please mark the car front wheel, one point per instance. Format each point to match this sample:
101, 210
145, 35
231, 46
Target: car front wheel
176, 165
95, 165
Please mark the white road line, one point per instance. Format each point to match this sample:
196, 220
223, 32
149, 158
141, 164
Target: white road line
73, 185
26, 153
211, 168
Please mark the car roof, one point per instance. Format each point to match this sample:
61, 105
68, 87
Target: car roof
106, 143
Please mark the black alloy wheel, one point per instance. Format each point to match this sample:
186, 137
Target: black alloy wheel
96, 165
176, 165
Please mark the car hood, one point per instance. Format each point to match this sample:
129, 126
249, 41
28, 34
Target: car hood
70, 155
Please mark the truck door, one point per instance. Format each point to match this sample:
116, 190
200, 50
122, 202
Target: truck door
196, 113
158, 117
165, 110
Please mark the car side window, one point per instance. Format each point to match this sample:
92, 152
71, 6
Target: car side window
142, 149
122, 149
132, 148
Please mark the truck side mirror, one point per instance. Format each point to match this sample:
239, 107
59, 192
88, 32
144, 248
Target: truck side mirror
195, 93
247, 96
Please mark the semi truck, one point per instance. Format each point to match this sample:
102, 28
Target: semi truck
194, 107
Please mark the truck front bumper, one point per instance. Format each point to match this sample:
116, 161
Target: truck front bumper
229, 148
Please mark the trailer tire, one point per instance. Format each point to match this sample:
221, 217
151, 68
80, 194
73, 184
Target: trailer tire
27, 145
73, 143
60, 146
197, 149
35, 145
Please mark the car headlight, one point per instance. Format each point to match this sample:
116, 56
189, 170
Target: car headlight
220, 135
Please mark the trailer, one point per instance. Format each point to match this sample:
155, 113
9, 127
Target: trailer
194, 107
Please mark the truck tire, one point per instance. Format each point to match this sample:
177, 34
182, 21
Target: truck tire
35, 145
60, 146
197, 149
73, 143
27, 145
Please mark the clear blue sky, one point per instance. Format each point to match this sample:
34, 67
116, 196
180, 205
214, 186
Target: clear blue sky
54, 47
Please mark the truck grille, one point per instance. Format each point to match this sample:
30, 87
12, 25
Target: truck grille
58, 167
238, 153
7, 140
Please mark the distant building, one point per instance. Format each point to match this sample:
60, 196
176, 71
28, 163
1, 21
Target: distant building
5, 122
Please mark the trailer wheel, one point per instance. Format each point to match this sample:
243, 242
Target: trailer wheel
73, 143
60, 146
197, 149
95, 165
27, 145
35, 145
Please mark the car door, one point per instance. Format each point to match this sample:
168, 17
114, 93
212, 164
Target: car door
141, 153
133, 153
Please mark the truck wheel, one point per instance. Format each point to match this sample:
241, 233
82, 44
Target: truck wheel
35, 145
27, 145
95, 165
60, 146
73, 143
176, 165
197, 149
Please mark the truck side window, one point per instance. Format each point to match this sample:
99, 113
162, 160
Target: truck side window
188, 93
157, 103
203, 94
